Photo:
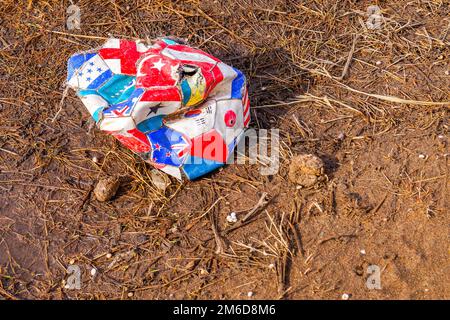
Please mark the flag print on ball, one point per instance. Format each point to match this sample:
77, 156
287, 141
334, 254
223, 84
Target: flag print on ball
179, 108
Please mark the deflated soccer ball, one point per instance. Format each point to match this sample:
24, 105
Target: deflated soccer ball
181, 109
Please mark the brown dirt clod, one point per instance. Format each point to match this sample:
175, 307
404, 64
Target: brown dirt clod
106, 188
306, 170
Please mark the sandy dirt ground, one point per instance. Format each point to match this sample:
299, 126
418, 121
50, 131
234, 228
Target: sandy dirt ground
371, 103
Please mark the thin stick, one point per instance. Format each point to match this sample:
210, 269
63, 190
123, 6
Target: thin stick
349, 59
396, 99
261, 203
61, 103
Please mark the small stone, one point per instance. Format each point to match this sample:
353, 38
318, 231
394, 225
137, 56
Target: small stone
108, 255
441, 136
447, 73
250, 294
231, 218
362, 251
306, 170
345, 296
159, 180
94, 159
271, 266
72, 261
130, 294
422, 156
106, 188
378, 63
93, 272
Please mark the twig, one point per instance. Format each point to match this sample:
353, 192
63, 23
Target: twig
262, 202
349, 60
220, 243
396, 99
375, 210
61, 103
7, 294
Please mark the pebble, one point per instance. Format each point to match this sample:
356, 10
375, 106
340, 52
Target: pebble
362, 251
345, 296
422, 156
108, 255
231, 218
159, 180
93, 272
306, 170
250, 294
106, 188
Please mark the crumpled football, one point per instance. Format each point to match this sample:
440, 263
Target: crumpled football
181, 109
